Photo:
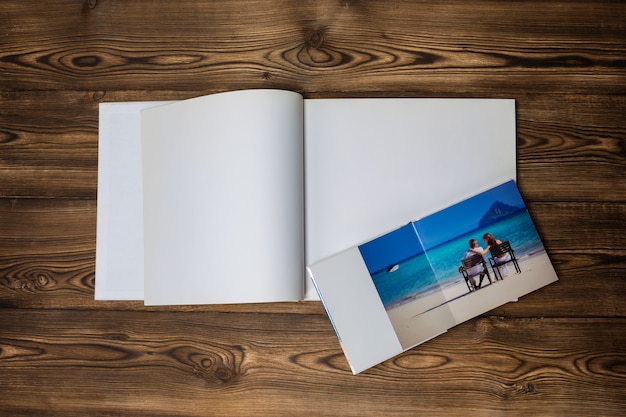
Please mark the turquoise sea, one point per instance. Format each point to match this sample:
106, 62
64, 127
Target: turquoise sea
439, 266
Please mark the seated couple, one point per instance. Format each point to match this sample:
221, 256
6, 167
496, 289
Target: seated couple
476, 270
491, 242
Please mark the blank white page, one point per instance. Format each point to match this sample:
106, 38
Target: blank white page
223, 199
373, 165
119, 243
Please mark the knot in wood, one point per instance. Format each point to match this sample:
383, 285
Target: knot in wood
98, 95
86, 61
316, 52
315, 38
41, 280
224, 374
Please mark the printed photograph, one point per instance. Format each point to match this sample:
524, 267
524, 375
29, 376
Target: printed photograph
462, 261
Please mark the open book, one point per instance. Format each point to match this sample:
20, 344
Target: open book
407, 286
225, 198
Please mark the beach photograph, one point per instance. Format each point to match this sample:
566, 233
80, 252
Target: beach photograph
418, 269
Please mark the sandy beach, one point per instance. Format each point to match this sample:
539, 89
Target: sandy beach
420, 319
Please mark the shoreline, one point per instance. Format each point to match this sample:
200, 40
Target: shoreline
454, 281
456, 299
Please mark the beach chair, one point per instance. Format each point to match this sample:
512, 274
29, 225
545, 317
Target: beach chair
469, 271
499, 250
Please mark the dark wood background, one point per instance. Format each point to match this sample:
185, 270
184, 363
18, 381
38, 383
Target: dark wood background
559, 351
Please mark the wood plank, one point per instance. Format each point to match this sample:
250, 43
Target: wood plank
49, 143
47, 259
570, 47
161, 364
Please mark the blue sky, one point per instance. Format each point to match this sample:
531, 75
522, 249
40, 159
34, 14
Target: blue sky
391, 248
435, 229
464, 216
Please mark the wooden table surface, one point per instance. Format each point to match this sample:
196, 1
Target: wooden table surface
560, 351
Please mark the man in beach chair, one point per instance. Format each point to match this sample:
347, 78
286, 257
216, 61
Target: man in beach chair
473, 265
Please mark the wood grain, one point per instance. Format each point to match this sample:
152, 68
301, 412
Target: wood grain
557, 351
158, 363
327, 45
